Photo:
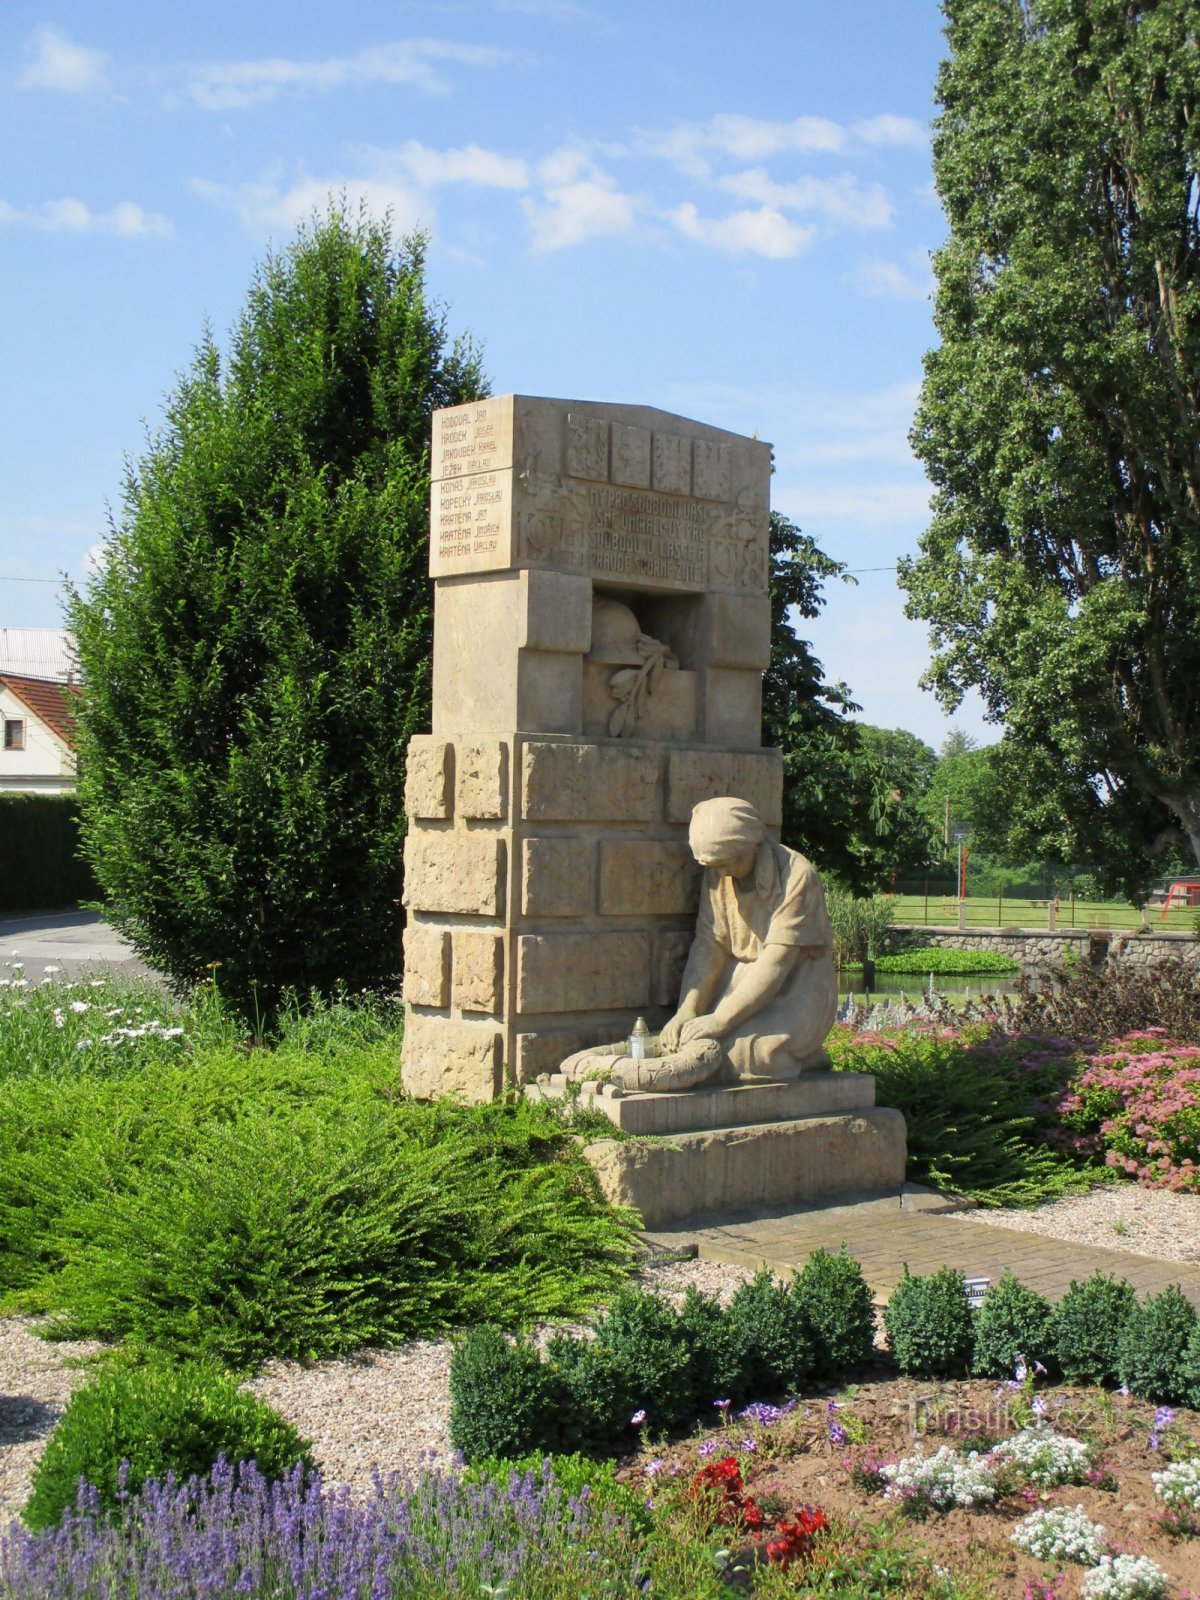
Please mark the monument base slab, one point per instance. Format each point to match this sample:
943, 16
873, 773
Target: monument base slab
799, 1161
739, 1105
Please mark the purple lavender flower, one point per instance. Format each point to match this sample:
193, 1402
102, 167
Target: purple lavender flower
707, 1448
749, 1444
637, 1419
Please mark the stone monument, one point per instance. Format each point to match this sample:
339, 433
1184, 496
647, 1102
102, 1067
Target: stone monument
601, 626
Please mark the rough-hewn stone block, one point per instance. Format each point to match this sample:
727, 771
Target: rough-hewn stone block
556, 612
481, 770
478, 966
695, 775
670, 958
454, 872
647, 877
427, 778
590, 783
426, 965
546, 1051
582, 972
556, 877
459, 1059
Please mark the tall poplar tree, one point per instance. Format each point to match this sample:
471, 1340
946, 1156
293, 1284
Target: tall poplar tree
1060, 418
256, 646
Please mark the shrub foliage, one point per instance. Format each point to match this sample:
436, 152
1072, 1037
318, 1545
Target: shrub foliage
1088, 1323
839, 1311
256, 644
1152, 1345
928, 1324
1014, 1322
155, 1417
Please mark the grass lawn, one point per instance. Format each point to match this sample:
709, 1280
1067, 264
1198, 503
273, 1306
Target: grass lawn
997, 911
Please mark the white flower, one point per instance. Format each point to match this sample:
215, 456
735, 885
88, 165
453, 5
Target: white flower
59, 1020
96, 983
17, 966
83, 1044
1060, 1534
20, 983
79, 1007
1125, 1578
945, 1479
1045, 1457
1179, 1484
51, 970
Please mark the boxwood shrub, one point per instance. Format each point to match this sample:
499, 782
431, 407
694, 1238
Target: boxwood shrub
928, 1324
1014, 1321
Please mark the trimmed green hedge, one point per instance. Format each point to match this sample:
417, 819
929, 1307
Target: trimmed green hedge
42, 869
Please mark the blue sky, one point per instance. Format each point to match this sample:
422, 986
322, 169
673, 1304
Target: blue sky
720, 209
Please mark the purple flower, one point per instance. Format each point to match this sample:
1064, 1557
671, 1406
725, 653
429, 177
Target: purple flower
749, 1444
707, 1448
1124, 1390
637, 1419
722, 1405
654, 1468
761, 1412
1038, 1406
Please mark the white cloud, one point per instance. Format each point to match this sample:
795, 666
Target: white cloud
889, 280
765, 232
841, 199
56, 62
272, 206
747, 138
468, 164
576, 201
888, 129
75, 216
233, 85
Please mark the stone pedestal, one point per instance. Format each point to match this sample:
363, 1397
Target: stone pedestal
550, 891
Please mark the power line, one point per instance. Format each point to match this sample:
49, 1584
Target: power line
4, 578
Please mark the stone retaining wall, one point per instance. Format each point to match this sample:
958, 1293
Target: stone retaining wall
1031, 948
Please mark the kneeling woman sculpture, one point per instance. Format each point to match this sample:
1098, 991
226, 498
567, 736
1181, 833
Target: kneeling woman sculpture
759, 989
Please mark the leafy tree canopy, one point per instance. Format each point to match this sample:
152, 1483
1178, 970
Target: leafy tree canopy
845, 791
256, 648
1058, 419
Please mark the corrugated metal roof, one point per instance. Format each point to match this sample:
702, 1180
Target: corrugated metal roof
37, 653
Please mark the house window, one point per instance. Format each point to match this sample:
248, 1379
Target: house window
14, 733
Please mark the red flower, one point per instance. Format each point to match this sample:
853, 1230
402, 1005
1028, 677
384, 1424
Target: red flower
794, 1541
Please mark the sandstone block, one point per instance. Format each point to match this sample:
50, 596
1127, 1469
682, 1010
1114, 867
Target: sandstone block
478, 967
454, 872
556, 877
740, 633
426, 965
546, 1051
549, 693
443, 1059
803, 1161
670, 958
733, 707
427, 778
695, 775
590, 783
647, 877
481, 773
556, 612
582, 972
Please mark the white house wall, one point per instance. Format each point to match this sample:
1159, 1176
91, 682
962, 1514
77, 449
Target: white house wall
46, 765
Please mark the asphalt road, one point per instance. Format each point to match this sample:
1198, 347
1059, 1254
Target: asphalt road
76, 942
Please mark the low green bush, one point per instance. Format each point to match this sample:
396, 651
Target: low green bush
596, 1394
721, 1360
290, 1203
1152, 1346
1088, 1323
156, 1416
944, 961
1013, 1323
643, 1333
504, 1399
1189, 1369
769, 1324
968, 1106
839, 1312
928, 1324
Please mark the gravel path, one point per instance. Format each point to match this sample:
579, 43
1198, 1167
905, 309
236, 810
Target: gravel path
1119, 1216
392, 1408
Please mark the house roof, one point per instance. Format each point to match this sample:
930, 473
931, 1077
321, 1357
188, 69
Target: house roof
47, 700
37, 653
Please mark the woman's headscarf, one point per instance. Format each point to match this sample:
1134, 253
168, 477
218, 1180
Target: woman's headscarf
723, 829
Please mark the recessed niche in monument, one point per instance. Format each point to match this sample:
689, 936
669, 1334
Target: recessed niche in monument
635, 685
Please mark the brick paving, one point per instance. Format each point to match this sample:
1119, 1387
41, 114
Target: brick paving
886, 1234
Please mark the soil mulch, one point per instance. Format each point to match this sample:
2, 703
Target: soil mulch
794, 1463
